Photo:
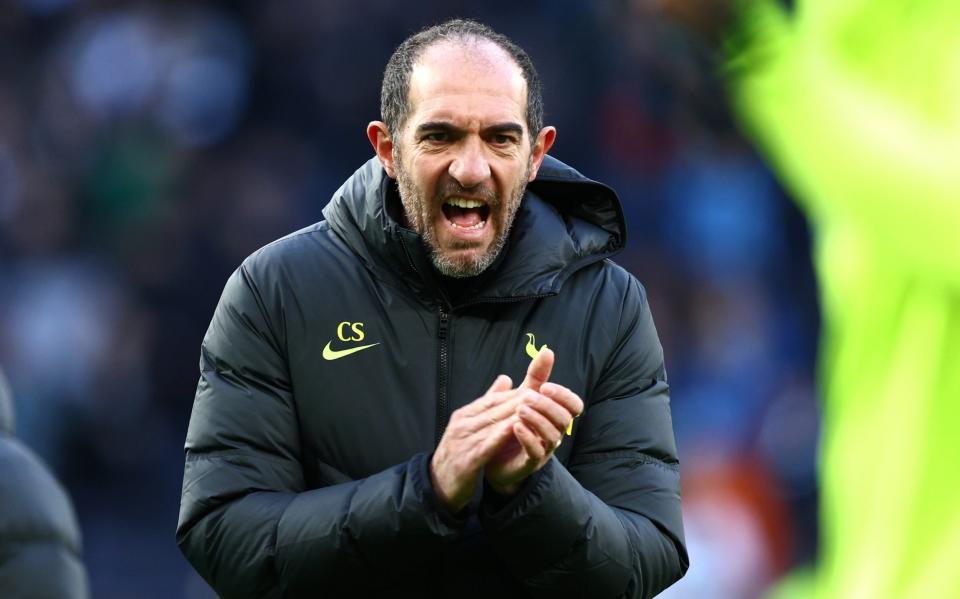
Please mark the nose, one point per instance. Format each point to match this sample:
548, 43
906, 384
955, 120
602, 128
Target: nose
470, 167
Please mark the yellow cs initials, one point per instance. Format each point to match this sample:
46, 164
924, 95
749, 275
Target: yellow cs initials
355, 327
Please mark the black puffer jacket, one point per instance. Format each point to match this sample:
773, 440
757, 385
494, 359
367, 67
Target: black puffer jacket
39, 538
307, 463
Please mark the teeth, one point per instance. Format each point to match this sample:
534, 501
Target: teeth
464, 203
479, 225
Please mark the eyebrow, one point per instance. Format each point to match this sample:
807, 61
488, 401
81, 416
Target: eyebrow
506, 127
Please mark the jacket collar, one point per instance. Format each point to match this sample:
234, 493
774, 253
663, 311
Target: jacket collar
564, 223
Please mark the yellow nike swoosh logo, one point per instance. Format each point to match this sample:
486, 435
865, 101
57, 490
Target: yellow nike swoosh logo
336, 354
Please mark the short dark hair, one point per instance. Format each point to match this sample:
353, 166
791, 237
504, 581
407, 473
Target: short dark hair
395, 92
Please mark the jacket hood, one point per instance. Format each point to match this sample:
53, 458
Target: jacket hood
565, 222
6, 407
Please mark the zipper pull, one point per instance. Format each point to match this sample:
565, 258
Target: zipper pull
444, 321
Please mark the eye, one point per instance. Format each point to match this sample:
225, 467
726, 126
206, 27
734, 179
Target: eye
503, 139
435, 136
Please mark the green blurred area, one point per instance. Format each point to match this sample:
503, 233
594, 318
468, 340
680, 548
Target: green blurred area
857, 104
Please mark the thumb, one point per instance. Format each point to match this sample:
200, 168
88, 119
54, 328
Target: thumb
501, 383
539, 370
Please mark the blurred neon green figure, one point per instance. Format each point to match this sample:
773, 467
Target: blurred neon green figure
857, 105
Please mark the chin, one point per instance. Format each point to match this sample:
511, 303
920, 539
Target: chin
462, 264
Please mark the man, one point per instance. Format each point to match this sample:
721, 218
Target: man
39, 537
355, 431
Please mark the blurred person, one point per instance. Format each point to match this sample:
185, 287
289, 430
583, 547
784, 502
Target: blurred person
39, 538
737, 527
351, 435
857, 104
74, 316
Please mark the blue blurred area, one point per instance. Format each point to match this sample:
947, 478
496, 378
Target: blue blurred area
147, 148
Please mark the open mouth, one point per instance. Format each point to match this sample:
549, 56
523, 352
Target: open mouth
466, 213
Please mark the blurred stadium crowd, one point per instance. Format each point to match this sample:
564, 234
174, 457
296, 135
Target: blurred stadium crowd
147, 148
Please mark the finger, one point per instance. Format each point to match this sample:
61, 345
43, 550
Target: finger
549, 434
493, 396
494, 438
555, 412
501, 383
505, 405
539, 370
530, 441
566, 398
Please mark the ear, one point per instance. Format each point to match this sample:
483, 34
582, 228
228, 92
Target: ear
544, 142
382, 143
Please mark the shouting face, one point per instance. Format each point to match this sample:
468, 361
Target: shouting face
464, 156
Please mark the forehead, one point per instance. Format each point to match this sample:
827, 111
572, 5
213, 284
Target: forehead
467, 82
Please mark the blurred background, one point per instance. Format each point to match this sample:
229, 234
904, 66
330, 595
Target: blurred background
147, 148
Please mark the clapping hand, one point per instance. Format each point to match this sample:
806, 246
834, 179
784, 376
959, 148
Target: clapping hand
544, 412
508, 433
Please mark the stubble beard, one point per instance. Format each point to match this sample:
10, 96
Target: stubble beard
417, 210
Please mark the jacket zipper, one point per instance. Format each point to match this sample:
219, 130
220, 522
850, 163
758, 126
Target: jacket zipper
443, 374
443, 368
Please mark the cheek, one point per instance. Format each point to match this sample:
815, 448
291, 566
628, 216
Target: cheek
516, 172
426, 177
